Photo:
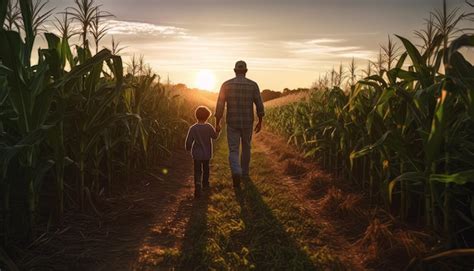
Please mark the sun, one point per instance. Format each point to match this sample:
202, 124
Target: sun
206, 80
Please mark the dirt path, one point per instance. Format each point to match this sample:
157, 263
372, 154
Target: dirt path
163, 236
362, 235
308, 185
141, 228
278, 219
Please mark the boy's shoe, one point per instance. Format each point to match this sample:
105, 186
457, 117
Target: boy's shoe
236, 180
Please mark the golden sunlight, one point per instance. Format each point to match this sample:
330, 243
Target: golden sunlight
206, 80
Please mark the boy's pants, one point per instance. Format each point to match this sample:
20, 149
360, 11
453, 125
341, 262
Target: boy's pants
234, 138
201, 174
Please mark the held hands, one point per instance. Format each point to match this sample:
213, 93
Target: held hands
258, 127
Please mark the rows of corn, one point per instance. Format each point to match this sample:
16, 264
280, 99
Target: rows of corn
74, 127
405, 132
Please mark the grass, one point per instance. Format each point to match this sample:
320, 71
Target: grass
257, 227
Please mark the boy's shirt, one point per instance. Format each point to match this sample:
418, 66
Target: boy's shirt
199, 140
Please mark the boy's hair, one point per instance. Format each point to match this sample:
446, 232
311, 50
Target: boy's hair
202, 113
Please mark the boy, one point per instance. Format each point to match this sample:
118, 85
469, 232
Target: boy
199, 142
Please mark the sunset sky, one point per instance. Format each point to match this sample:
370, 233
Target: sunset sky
285, 43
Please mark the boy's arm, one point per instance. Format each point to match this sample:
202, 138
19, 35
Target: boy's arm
214, 132
189, 140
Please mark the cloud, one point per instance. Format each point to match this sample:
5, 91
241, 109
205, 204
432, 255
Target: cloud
360, 54
323, 41
235, 25
117, 27
129, 28
327, 48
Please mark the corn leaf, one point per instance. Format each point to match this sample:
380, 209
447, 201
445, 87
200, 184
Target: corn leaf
368, 149
414, 54
460, 178
401, 60
465, 40
3, 12
418, 62
26, 7
462, 72
82, 69
412, 177
436, 43
472, 206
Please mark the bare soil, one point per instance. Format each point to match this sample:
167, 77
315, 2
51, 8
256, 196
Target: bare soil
139, 228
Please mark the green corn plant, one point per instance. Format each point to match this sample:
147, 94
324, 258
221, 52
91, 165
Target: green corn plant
97, 29
71, 120
12, 16
86, 12
403, 134
29, 96
93, 113
352, 73
39, 15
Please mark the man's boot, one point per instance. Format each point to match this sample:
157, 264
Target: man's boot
197, 191
236, 180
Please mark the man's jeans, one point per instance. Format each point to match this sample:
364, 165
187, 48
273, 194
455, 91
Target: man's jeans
236, 136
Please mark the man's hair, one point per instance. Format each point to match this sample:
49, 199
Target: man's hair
202, 113
240, 67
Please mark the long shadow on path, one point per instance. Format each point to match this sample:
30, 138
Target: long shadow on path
270, 246
195, 237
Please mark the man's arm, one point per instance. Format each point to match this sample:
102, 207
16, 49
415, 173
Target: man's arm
220, 108
257, 99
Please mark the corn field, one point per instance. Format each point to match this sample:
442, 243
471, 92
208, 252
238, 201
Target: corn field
404, 133
73, 126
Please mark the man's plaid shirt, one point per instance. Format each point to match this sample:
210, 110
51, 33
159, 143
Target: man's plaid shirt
240, 94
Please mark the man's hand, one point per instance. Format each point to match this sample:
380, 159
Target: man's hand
258, 127
218, 125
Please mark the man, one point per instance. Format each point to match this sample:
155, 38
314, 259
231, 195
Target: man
240, 94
